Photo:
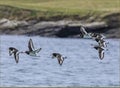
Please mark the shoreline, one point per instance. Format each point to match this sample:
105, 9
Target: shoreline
61, 29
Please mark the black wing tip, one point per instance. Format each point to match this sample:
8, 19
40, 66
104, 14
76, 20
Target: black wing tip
101, 58
16, 62
60, 64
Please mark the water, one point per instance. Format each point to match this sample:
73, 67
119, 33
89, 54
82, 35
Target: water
81, 68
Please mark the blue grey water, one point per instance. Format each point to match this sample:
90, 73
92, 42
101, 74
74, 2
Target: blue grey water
81, 68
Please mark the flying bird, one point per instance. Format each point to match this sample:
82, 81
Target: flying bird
97, 36
15, 52
32, 51
83, 32
59, 57
102, 43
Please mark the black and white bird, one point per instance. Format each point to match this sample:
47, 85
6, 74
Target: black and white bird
15, 52
102, 43
59, 57
32, 51
100, 51
97, 36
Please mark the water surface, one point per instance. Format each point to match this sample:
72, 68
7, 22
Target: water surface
81, 68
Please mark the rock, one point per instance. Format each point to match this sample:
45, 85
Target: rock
61, 29
74, 29
2, 21
5, 23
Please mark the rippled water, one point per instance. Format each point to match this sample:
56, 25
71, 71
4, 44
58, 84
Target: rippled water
81, 68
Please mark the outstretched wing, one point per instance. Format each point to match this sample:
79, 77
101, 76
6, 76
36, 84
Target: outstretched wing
16, 56
101, 54
30, 45
104, 44
38, 50
60, 60
83, 31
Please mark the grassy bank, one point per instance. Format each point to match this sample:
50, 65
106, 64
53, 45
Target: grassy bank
57, 9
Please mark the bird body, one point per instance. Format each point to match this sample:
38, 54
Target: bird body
33, 53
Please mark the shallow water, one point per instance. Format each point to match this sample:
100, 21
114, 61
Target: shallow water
81, 68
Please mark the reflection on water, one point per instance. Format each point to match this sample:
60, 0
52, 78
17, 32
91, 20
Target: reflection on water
81, 68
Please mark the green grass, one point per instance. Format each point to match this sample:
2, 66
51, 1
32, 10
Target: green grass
52, 8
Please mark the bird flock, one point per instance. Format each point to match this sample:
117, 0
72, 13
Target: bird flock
99, 38
33, 52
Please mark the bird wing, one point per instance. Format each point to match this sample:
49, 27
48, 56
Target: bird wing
38, 50
104, 44
60, 60
16, 56
101, 54
30, 45
83, 31
96, 47
97, 40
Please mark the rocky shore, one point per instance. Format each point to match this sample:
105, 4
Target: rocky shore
62, 28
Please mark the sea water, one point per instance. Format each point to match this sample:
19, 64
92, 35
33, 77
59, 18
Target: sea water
81, 68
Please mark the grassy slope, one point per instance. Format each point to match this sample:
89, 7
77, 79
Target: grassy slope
52, 8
